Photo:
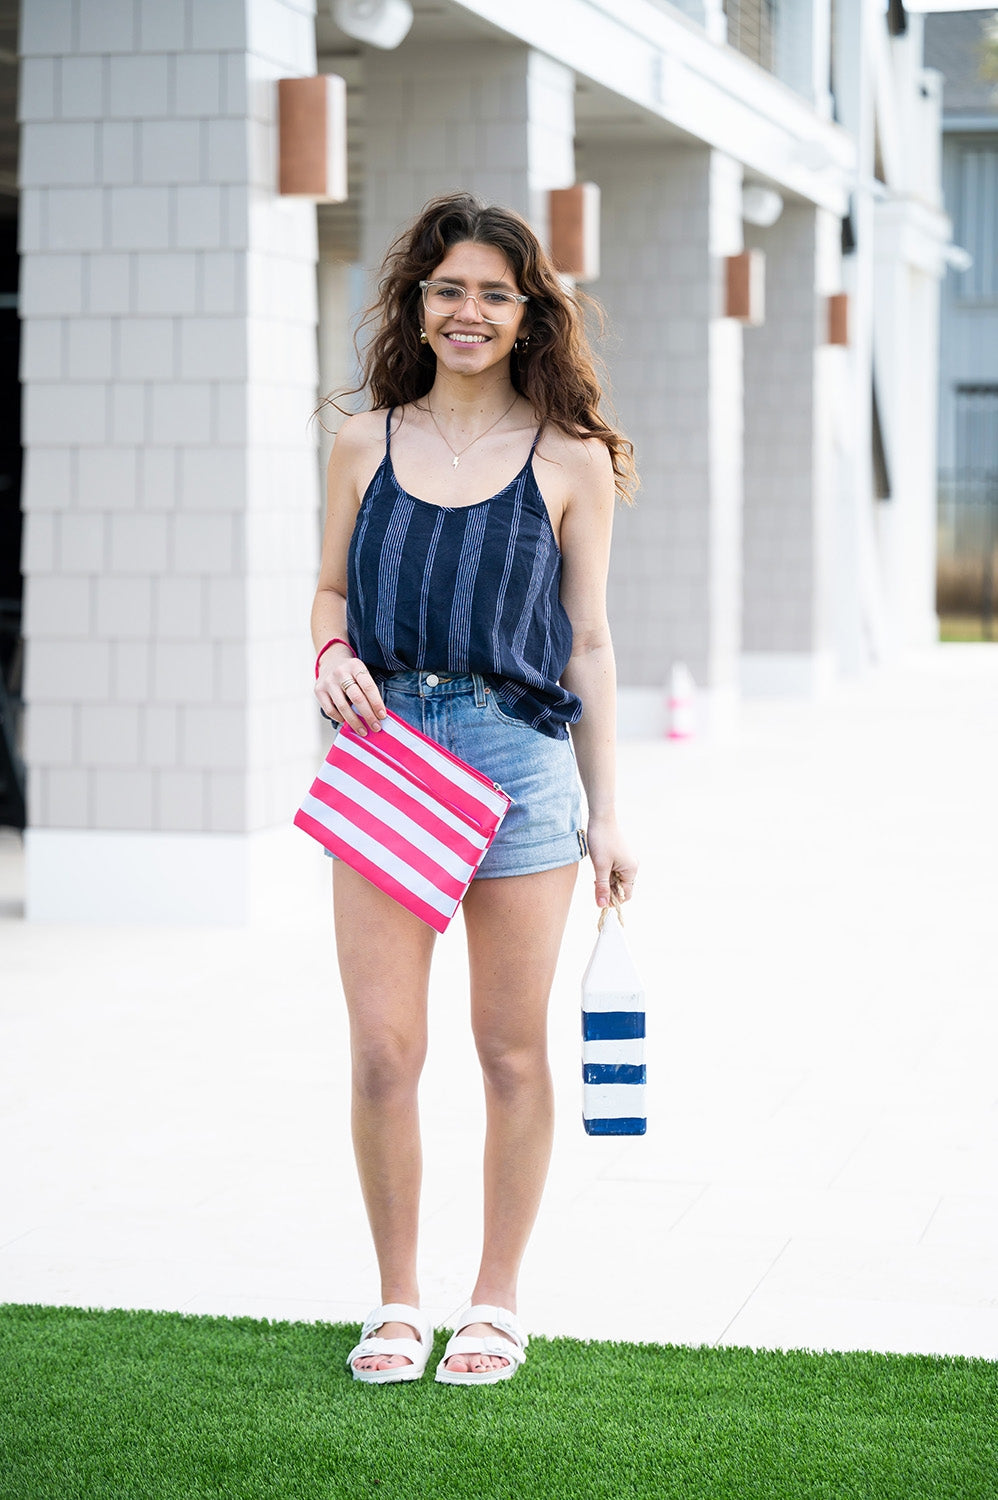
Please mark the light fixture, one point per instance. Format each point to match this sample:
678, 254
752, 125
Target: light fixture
574, 214
380, 23
745, 288
838, 319
761, 206
958, 258
312, 131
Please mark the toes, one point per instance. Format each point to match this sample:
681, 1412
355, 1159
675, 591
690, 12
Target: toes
380, 1362
475, 1364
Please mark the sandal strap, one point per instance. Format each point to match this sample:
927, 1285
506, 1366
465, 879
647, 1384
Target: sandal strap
398, 1312
500, 1317
411, 1349
483, 1344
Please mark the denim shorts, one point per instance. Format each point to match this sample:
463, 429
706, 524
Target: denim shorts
543, 828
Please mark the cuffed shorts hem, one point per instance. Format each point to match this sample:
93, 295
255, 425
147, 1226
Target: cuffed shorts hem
526, 861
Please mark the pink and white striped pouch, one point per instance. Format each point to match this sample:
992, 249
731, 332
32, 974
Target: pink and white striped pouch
411, 817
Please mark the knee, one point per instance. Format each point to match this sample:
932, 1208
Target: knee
511, 1072
386, 1069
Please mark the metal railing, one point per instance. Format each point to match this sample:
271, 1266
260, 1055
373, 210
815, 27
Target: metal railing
967, 545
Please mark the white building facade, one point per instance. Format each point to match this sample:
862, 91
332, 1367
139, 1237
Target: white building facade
180, 317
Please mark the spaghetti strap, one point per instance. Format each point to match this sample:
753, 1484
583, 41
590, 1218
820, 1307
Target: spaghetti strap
388, 432
533, 446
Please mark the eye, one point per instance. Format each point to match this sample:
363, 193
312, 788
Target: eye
498, 299
448, 293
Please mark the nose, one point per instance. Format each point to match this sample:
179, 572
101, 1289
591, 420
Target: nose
462, 312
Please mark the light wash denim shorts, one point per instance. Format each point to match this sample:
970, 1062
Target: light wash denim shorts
543, 828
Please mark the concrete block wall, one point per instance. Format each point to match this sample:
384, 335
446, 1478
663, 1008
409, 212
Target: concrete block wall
779, 416
668, 218
169, 368
789, 460
496, 121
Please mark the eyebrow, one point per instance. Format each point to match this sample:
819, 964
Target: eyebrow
506, 286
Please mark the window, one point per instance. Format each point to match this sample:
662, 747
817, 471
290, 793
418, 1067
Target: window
751, 29
976, 219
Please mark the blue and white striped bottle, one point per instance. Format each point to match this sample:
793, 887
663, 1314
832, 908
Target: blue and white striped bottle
613, 1036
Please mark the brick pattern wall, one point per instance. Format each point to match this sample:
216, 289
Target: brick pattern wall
496, 121
782, 514
668, 218
169, 366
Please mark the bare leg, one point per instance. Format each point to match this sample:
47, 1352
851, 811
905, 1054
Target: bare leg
384, 956
514, 926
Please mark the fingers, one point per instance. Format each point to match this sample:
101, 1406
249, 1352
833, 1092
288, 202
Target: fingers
615, 878
349, 694
602, 889
622, 882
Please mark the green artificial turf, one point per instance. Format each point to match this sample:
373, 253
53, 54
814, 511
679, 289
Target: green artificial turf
124, 1406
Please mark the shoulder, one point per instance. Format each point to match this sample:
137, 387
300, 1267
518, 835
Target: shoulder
360, 433
583, 463
358, 449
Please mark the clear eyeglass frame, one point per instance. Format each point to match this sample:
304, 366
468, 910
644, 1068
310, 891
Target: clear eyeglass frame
506, 301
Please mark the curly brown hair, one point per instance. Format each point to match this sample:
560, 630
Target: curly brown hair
555, 370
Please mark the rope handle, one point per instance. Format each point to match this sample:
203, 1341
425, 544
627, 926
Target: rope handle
616, 902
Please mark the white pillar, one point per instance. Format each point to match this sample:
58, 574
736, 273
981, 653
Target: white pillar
908, 269
669, 217
171, 489
860, 622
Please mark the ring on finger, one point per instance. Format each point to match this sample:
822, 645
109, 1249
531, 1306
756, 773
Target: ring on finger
347, 682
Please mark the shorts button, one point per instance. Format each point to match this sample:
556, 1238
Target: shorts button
432, 679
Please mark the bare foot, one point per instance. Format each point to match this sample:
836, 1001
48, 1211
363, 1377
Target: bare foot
388, 1361
477, 1364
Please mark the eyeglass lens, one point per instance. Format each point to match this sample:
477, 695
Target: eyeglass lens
444, 297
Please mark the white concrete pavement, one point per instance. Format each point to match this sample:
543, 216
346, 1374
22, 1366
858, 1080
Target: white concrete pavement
817, 925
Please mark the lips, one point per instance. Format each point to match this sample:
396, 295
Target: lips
467, 338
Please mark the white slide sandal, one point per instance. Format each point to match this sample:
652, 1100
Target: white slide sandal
512, 1346
416, 1350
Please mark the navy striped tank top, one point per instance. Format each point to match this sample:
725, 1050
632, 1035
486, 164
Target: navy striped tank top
464, 589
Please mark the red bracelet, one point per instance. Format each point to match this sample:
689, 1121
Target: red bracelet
336, 641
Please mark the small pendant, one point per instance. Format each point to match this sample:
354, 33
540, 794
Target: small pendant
457, 460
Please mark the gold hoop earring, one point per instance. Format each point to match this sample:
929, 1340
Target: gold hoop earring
422, 336
520, 344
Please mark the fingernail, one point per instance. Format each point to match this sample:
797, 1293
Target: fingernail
602, 901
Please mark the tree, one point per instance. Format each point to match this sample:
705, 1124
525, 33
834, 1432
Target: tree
989, 49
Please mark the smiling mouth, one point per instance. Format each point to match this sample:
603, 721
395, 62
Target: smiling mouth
468, 338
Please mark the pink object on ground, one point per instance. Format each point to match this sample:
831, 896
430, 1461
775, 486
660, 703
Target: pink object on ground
680, 702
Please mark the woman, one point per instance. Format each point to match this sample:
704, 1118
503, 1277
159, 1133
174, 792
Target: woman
464, 561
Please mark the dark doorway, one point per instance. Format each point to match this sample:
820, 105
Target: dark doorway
11, 588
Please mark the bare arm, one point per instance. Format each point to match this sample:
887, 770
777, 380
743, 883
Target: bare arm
354, 458
591, 672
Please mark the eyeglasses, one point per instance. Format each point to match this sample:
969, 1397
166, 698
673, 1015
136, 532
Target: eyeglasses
446, 297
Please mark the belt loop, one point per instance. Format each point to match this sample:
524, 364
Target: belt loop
479, 682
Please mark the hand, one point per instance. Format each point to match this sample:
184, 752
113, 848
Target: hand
615, 865
347, 692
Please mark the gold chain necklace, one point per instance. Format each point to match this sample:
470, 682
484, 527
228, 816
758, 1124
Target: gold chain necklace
459, 452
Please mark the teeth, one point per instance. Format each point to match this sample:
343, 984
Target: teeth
467, 338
